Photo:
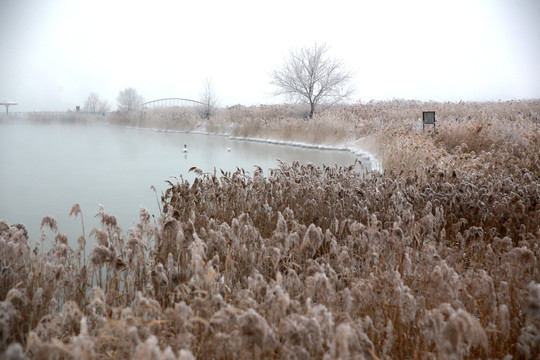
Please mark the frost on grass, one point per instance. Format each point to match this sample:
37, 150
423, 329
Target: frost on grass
435, 258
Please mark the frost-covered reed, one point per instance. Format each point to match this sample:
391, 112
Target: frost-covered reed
436, 257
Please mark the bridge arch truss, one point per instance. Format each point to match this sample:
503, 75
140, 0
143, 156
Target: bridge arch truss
171, 102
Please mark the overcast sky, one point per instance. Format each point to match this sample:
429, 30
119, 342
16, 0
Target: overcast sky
53, 53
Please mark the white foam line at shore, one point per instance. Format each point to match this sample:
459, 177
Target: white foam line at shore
375, 164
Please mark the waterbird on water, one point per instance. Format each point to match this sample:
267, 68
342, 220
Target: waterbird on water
228, 149
185, 148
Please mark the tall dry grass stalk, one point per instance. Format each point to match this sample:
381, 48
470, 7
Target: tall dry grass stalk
437, 257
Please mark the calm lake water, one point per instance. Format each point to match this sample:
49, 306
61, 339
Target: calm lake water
46, 168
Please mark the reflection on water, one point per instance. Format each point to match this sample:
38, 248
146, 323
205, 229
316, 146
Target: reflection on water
46, 168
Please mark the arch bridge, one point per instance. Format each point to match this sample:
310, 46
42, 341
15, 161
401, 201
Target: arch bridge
170, 102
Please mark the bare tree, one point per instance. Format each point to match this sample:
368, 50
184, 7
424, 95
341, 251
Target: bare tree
309, 75
208, 99
94, 104
103, 106
91, 103
129, 100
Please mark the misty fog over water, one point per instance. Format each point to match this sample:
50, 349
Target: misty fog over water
46, 168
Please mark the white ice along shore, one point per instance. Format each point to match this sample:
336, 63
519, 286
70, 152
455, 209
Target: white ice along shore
375, 164
355, 149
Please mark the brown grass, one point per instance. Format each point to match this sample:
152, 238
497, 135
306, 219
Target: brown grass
437, 257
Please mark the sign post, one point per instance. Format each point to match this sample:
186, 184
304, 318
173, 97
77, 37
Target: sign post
428, 118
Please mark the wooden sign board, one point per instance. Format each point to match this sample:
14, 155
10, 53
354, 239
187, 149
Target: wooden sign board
428, 118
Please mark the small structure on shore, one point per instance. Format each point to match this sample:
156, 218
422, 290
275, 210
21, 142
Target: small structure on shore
428, 118
7, 104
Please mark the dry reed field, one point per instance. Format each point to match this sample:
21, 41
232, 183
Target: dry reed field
435, 257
